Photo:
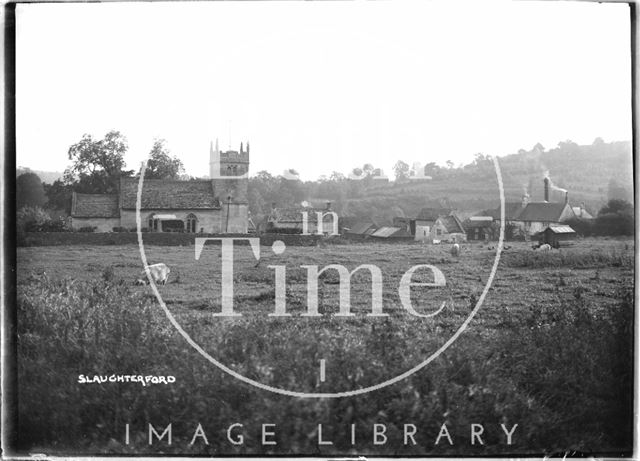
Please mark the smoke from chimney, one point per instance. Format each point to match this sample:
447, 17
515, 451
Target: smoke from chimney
546, 188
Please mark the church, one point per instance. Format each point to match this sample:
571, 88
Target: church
217, 205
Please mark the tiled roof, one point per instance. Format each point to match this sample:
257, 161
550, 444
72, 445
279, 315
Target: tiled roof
512, 211
168, 194
452, 224
95, 206
474, 222
360, 228
542, 211
561, 229
581, 212
391, 232
294, 215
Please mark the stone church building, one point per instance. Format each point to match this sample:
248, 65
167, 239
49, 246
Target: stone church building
216, 205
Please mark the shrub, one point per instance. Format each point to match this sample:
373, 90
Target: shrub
120, 229
87, 229
31, 219
583, 227
614, 224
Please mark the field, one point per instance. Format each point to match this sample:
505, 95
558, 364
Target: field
550, 350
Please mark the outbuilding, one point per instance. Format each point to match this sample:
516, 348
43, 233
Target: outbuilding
553, 235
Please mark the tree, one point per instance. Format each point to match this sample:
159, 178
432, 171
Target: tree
29, 191
160, 165
401, 170
336, 176
617, 206
31, 218
97, 164
449, 164
615, 218
58, 196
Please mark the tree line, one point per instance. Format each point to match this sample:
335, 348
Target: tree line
96, 166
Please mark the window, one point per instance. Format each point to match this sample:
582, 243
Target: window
192, 223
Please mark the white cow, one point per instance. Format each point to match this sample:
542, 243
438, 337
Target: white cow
159, 273
544, 247
455, 250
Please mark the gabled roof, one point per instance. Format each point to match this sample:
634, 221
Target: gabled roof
542, 211
478, 222
294, 215
391, 232
95, 206
168, 194
561, 229
452, 224
360, 228
512, 211
431, 214
580, 212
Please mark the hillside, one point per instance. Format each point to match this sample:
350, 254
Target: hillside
591, 174
45, 176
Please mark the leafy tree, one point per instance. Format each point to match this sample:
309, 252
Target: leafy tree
160, 165
97, 164
59, 196
401, 170
449, 164
336, 176
617, 206
29, 191
615, 218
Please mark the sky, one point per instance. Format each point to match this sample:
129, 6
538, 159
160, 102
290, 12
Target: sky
320, 86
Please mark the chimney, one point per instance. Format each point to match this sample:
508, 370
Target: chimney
546, 189
566, 197
525, 200
328, 206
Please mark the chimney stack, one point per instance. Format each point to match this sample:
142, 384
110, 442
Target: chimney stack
546, 189
566, 197
328, 206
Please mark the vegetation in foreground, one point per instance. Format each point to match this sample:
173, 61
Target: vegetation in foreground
554, 358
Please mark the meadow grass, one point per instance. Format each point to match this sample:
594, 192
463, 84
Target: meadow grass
551, 352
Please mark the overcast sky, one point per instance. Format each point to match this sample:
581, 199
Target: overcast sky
321, 86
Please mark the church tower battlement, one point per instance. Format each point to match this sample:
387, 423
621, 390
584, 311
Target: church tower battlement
228, 163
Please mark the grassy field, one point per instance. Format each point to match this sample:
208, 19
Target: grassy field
550, 350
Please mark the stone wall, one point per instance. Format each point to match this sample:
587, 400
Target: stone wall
102, 224
209, 221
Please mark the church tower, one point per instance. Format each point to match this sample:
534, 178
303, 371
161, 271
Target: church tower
229, 163
229, 173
